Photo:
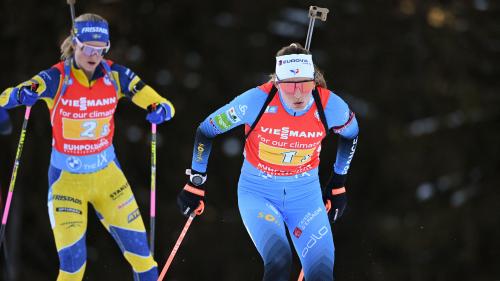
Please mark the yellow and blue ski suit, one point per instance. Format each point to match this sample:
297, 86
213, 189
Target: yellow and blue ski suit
83, 167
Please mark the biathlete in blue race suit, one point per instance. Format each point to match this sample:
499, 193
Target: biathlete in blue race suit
285, 121
82, 94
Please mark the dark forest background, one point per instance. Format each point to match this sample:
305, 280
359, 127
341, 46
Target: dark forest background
422, 77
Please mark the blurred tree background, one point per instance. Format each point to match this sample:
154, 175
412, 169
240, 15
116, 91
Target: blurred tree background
422, 77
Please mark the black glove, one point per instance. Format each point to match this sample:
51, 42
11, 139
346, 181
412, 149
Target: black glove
334, 196
192, 196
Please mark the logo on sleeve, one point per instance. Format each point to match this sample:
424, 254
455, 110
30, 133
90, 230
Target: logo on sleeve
243, 108
199, 152
222, 121
231, 113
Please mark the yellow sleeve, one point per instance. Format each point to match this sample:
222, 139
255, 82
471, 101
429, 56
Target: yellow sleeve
6, 95
147, 96
46, 88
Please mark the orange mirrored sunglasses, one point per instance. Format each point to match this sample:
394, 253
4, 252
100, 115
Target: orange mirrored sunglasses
305, 86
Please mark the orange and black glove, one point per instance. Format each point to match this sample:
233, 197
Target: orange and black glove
334, 196
192, 196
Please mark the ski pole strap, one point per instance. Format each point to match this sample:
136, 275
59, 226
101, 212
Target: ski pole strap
269, 98
321, 110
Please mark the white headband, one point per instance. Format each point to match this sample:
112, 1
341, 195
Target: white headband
295, 65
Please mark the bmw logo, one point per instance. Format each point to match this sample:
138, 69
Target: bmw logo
73, 163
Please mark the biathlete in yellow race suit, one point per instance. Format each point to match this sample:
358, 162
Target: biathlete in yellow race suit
83, 166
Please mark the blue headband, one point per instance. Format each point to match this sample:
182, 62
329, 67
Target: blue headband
92, 31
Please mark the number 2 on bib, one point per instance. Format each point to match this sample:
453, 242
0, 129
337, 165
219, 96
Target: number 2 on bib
86, 129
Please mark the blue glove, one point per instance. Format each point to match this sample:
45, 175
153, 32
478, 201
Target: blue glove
160, 114
26, 96
334, 196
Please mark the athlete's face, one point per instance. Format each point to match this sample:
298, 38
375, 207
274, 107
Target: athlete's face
296, 92
88, 55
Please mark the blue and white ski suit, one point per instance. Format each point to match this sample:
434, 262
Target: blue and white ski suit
272, 200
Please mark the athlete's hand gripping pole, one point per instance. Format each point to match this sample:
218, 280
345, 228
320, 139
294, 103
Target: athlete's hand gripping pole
14, 173
196, 212
314, 13
152, 207
321, 14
